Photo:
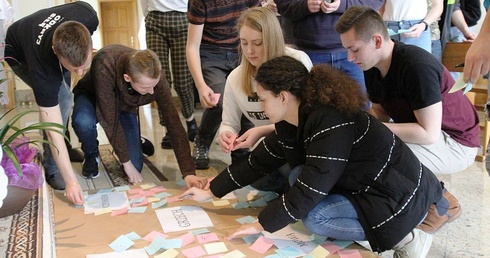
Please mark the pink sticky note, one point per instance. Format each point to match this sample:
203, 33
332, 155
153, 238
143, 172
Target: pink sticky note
331, 247
193, 252
158, 189
216, 97
206, 238
134, 191
119, 212
152, 235
262, 244
147, 193
173, 199
349, 253
232, 140
131, 197
187, 239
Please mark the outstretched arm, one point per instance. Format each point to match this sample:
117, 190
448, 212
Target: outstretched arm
73, 190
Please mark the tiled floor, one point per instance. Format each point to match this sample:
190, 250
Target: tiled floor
468, 236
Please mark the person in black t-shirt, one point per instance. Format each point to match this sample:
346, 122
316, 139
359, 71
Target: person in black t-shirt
45, 47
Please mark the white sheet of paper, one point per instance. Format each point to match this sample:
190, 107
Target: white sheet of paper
132, 253
180, 218
113, 200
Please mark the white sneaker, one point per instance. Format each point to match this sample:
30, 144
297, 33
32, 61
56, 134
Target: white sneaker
417, 248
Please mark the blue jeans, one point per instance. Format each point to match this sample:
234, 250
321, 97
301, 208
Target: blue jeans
65, 102
422, 41
339, 60
437, 49
84, 123
333, 217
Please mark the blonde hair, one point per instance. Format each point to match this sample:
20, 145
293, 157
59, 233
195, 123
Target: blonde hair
263, 20
143, 62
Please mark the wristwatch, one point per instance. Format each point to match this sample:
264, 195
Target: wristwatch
426, 25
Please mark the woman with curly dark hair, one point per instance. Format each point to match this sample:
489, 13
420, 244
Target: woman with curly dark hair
353, 179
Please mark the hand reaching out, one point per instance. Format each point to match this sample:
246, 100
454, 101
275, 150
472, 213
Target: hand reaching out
247, 229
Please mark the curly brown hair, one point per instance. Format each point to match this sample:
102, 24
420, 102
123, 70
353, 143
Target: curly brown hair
322, 86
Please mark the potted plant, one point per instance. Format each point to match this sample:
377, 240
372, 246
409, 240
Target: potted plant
18, 162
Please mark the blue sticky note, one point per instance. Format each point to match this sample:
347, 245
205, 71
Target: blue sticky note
342, 243
137, 210
289, 252
162, 195
259, 203
241, 205
133, 236
121, 244
200, 231
250, 239
246, 220
122, 188
468, 87
159, 204
104, 191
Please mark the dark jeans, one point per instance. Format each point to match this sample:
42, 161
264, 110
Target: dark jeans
84, 123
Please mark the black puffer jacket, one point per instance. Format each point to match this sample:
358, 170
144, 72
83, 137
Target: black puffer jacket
356, 156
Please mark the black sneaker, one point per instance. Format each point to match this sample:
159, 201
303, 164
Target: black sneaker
56, 181
191, 130
166, 144
200, 154
90, 168
147, 147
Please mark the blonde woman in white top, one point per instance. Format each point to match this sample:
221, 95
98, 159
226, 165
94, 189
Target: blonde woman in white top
261, 39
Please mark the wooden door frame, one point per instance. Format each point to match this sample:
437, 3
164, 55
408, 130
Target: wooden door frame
135, 23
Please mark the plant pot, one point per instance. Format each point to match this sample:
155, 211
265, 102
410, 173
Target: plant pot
16, 200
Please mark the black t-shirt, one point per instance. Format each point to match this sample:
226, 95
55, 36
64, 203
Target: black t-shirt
415, 80
29, 42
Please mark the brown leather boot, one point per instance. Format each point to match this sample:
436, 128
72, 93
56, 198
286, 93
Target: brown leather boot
446, 210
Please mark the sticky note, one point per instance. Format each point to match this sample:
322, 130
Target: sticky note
215, 248
121, 244
319, 252
262, 244
193, 252
206, 238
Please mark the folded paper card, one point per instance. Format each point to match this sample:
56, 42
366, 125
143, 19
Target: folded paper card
460, 84
183, 218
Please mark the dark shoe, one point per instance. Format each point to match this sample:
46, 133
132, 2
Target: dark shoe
147, 147
200, 154
90, 168
56, 181
166, 144
76, 154
445, 211
191, 130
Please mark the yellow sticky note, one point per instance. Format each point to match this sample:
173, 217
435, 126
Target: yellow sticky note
153, 199
170, 253
215, 248
319, 252
103, 211
221, 202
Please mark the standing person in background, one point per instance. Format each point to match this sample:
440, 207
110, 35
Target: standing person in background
314, 32
212, 54
120, 80
469, 14
442, 27
477, 63
166, 34
413, 16
46, 47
